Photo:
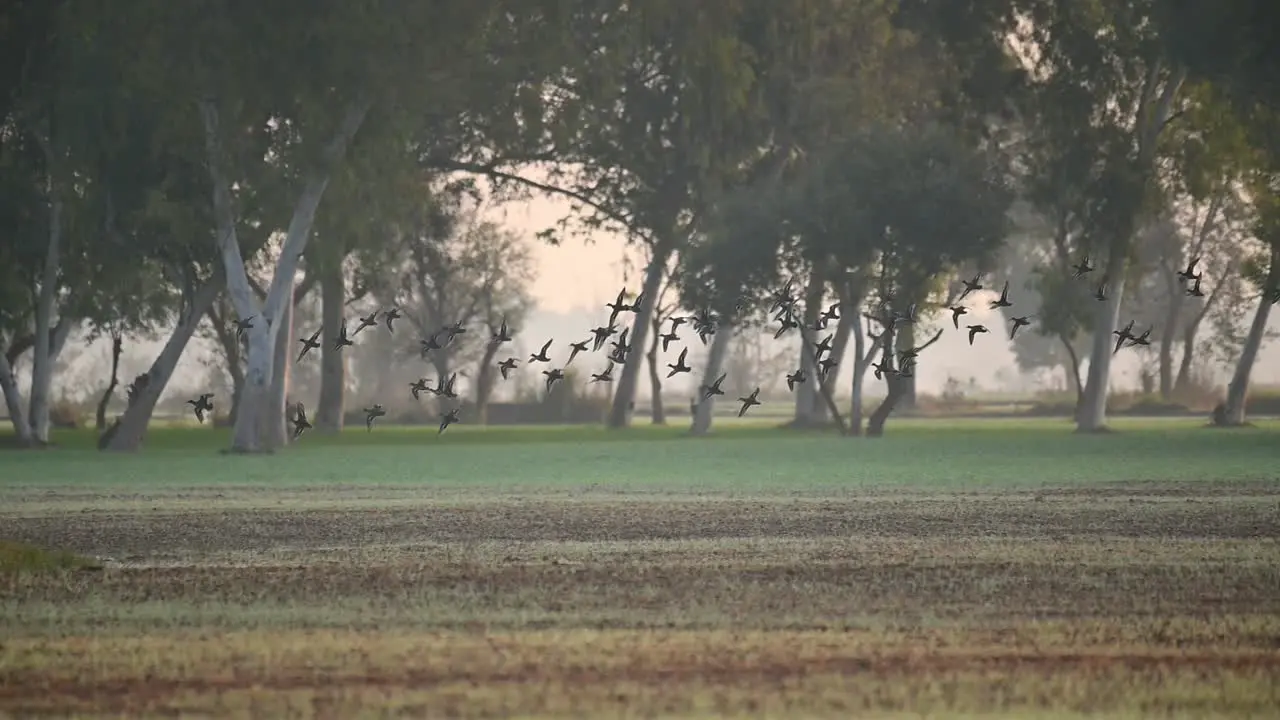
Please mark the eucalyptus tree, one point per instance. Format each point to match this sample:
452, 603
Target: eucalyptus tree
307, 82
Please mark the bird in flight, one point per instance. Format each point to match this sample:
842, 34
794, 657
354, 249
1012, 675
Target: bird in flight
1143, 339
1082, 268
670, 336
796, 378
503, 334
634, 306
825, 366
243, 326
820, 348
883, 368
371, 414
1003, 301
785, 322
956, 312
1123, 335
447, 419
371, 320
201, 405
309, 344
1101, 294
390, 316
617, 306
553, 375
606, 376
831, 313
713, 388
1190, 272
431, 343
300, 424
973, 285
506, 366
444, 388
418, 387
748, 401
601, 335
542, 356
1017, 323
1194, 290
342, 339
453, 331
974, 330
679, 365
620, 348
578, 347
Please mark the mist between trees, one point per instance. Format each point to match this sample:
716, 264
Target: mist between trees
170, 168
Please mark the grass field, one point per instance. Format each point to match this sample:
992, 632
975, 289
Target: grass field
979, 568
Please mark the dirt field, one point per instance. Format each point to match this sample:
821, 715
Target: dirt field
1124, 600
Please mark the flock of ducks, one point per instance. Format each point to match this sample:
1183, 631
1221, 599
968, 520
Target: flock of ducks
704, 323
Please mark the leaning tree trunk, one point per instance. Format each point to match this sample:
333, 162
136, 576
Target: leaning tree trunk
133, 425
1174, 311
13, 401
625, 393
333, 369
117, 347
656, 409
839, 348
1238, 390
276, 412
1092, 416
894, 388
703, 409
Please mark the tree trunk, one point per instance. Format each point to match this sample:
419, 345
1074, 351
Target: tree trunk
39, 412
1238, 390
625, 393
485, 377
839, 348
894, 385
249, 434
1183, 381
226, 336
1174, 311
13, 401
333, 368
704, 409
1073, 373
133, 426
807, 395
276, 417
656, 409
117, 347
908, 340
43, 357
859, 372
1092, 416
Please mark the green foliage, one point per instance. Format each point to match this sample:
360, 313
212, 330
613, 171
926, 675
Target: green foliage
18, 557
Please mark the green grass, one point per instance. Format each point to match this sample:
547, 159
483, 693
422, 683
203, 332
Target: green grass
17, 557
738, 457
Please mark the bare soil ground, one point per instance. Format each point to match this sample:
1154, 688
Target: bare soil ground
1123, 600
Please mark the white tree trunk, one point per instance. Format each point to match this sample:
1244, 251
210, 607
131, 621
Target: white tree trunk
42, 350
1238, 390
715, 361
13, 401
1093, 409
625, 393
275, 418
133, 426
249, 433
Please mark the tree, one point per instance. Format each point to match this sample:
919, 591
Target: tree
454, 267
1100, 84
